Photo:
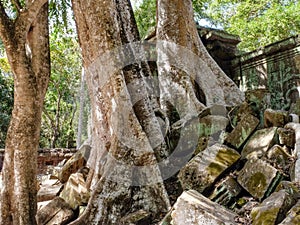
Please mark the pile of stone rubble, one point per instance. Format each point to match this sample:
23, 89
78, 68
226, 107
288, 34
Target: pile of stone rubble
246, 174
245, 170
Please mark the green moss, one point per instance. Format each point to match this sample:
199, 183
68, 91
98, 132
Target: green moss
257, 182
264, 216
223, 159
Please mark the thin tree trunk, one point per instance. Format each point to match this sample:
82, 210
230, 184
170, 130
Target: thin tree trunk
31, 76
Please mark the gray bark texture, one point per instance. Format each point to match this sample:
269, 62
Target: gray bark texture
125, 175
190, 80
31, 70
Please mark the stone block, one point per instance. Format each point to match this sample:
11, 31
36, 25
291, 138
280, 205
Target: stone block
295, 172
237, 113
204, 169
286, 137
275, 118
193, 208
56, 212
75, 192
258, 178
242, 131
226, 191
212, 124
293, 216
49, 190
259, 143
135, 217
273, 209
280, 158
77, 161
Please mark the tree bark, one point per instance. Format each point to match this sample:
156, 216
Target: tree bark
190, 79
31, 75
81, 109
126, 176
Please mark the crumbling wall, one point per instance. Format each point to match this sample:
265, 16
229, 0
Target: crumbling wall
275, 68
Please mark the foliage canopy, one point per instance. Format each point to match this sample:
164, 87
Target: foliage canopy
257, 22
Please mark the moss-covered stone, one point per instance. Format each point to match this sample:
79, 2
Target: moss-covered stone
287, 137
193, 208
259, 143
242, 131
226, 191
275, 118
280, 158
273, 209
203, 170
293, 216
257, 177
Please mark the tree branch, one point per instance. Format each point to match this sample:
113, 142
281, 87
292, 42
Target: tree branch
17, 4
5, 24
29, 14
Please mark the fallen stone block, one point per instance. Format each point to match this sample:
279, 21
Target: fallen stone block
242, 131
77, 161
134, 217
287, 137
204, 169
273, 209
295, 173
56, 212
280, 158
237, 113
192, 208
259, 143
275, 118
212, 124
226, 191
293, 216
49, 190
259, 178
75, 192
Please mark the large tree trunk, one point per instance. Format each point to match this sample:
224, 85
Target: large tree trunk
190, 79
126, 175
127, 139
31, 71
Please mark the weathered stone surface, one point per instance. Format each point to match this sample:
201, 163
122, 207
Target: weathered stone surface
49, 190
286, 137
75, 192
293, 216
259, 100
77, 161
56, 212
203, 170
257, 177
294, 118
295, 107
275, 118
134, 217
242, 131
202, 145
167, 219
226, 191
259, 143
295, 173
279, 157
289, 186
193, 208
211, 124
237, 113
273, 209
